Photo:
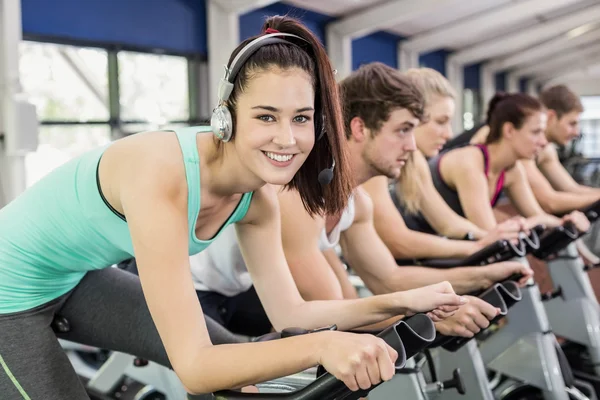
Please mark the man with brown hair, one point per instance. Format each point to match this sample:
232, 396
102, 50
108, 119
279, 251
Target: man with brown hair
556, 191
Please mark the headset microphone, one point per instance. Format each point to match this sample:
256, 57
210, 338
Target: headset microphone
326, 175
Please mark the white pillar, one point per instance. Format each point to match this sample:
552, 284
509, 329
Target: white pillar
406, 58
488, 86
455, 74
512, 83
16, 122
223, 37
339, 49
532, 89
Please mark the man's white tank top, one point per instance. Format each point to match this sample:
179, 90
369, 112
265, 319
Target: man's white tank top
220, 268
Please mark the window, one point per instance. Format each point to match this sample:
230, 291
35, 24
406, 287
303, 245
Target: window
153, 88
60, 143
69, 87
471, 109
65, 83
589, 145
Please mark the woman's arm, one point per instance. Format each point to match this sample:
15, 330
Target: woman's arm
437, 212
403, 242
260, 241
521, 195
156, 211
463, 169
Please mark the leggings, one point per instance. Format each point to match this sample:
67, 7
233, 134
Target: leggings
242, 314
106, 310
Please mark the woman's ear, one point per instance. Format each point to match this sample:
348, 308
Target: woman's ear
508, 130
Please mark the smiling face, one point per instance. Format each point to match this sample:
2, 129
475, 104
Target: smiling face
275, 129
432, 135
387, 150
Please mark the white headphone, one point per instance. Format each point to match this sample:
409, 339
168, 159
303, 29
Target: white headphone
221, 121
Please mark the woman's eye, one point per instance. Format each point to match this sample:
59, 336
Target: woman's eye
266, 118
301, 119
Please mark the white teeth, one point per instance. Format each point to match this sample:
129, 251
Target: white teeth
279, 157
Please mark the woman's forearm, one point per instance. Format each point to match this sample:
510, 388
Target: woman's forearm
231, 366
463, 279
346, 314
459, 228
422, 245
547, 220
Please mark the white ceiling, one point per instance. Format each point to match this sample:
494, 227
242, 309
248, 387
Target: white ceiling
476, 37
450, 13
442, 16
335, 8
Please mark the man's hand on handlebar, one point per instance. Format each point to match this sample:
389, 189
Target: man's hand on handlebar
579, 220
439, 300
469, 319
500, 271
359, 361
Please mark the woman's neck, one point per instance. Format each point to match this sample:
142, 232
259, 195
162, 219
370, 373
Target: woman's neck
221, 170
501, 157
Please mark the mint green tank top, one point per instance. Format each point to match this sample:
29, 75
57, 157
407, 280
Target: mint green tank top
61, 227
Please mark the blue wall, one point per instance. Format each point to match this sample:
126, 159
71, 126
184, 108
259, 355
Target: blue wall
501, 81
379, 46
251, 22
435, 60
177, 25
523, 84
472, 76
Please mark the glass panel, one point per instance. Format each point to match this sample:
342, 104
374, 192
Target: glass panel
60, 143
468, 105
153, 87
589, 145
472, 112
66, 83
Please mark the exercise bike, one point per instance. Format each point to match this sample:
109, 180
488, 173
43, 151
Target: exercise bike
572, 307
521, 359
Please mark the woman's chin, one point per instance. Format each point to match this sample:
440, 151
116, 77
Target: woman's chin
432, 153
278, 179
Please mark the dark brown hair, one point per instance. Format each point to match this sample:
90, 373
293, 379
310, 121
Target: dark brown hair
560, 99
374, 90
512, 108
312, 58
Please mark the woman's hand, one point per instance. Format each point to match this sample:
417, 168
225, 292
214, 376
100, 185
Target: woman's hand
439, 301
498, 272
358, 360
578, 219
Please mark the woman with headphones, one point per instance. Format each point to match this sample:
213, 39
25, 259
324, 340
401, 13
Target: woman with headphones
162, 196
